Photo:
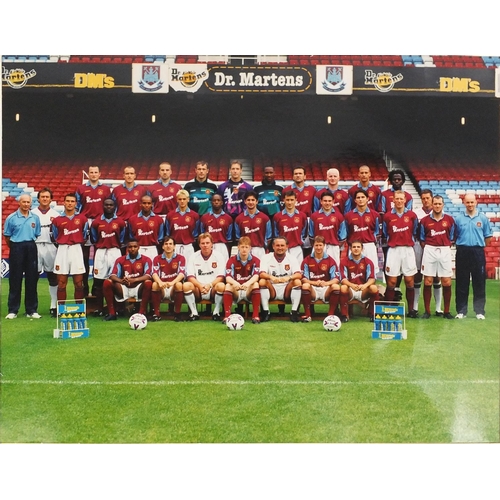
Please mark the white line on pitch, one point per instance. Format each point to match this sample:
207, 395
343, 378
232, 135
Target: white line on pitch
249, 382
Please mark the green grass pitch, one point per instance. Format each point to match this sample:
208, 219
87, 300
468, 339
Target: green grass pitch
277, 382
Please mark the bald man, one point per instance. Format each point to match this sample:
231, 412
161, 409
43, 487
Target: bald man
473, 233
21, 229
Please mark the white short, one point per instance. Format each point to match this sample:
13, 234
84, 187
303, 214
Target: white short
356, 295
168, 292
150, 251
418, 254
279, 288
334, 252
186, 250
320, 292
370, 250
104, 260
222, 249
400, 260
69, 260
242, 296
258, 252
46, 256
436, 261
206, 296
129, 293
297, 253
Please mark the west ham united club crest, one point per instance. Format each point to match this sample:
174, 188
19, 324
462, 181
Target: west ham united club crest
151, 81
334, 79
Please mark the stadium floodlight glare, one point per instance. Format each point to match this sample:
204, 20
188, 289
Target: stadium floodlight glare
462, 120
153, 118
18, 117
329, 119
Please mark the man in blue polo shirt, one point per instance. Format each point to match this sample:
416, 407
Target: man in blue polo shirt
21, 229
473, 234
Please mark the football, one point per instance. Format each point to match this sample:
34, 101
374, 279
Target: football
138, 321
332, 323
235, 322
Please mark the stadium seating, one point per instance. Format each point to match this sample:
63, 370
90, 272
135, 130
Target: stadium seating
106, 59
459, 61
157, 58
492, 61
446, 61
354, 60
186, 59
28, 58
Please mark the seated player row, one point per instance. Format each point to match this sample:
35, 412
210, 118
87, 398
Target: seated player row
208, 276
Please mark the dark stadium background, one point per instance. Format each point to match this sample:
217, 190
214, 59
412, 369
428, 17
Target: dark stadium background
110, 126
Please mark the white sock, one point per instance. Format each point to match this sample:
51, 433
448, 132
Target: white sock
438, 296
418, 288
53, 296
295, 297
189, 298
264, 298
218, 303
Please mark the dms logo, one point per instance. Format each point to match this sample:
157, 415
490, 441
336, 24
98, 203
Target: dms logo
17, 78
383, 82
150, 79
334, 81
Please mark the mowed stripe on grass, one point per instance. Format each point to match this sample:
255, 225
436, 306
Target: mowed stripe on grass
249, 382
